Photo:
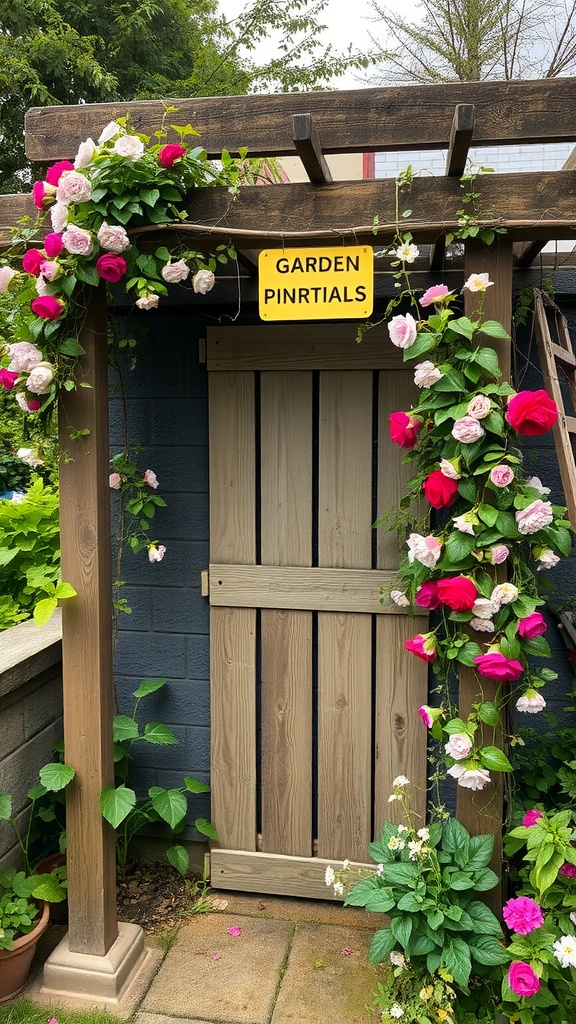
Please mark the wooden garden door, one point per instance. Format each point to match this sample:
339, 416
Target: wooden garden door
313, 700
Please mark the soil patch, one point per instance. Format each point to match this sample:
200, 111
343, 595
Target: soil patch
156, 897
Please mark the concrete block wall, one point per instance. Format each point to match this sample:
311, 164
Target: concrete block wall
30, 715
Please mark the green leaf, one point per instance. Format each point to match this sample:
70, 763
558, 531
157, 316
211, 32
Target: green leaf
401, 928
485, 921
467, 654
116, 804
206, 828
494, 759
56, 776
456, 958
49, 888
506, 523
150, 196
480, 852
485, 879
462, 326
196, 787
124, 728
382, 944
488, 951
424, 343
149, 686
71, 347
44, 610
494, 330
160, 734
401, 874
488, 713
460, 881
381, 901
5, 806
455, 837
538, 647
467, 490
89, 275
459, 545
65, 590
178, 857
488, 514
409, 902
359, 894
7, 554
170, 804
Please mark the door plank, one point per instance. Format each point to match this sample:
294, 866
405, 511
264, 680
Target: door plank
344, 641
286, 540
269, 872
268, 586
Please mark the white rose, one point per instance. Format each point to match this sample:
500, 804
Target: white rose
482, 625
399, 598
58, 215
459, 746
6, 275
426, 374
85, 154
156, 552
203, 282
40, 379
113, 237
484, 609
109, 132
129, 146
173, 273
147, 302
504, 593
29, 456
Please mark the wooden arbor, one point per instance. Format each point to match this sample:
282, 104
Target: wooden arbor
532, 207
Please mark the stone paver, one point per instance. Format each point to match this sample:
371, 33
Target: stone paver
291, 909
239, 987
160, 1018
328, 977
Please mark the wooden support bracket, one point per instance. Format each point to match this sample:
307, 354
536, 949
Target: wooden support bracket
309, 148
458, 148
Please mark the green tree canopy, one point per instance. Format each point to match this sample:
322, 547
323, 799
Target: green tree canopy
92, 51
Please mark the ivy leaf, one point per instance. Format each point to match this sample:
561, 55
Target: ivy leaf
206, 828
149, 686
194, 786
56, 776
170, 804
124, 728
71, 347
116, 804
160, 734
178, 857
150, 196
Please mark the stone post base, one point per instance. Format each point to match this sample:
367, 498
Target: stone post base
96, 979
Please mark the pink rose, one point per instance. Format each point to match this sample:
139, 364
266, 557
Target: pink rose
479, 407
430, 715
24, 356
522, 915
546, 558
478, 282
42, 194
404, 429
531, 817
426, 550
111, 267
469, 778
77, 241
58, 217
522, 979
402, 330
115, 481
169, 154
466, 522
175, 272
437, 293
531, 702
150, 478
74, 187
113, 237
458, 593
47, 307
459, 746
531, 626
427, 595
534, 517
498, 554
426, 374
55, 172
50, 269
496, 666
8, 378
467, 430
203, 282
31, 261
156, 552
53, 245
6, 275
449, 469
423, 645
531, 412
501, 476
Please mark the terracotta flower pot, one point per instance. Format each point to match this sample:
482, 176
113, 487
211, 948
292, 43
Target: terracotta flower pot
15, 963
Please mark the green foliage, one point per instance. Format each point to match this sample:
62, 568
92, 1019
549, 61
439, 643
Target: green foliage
22, 1011
30, 556
129, 814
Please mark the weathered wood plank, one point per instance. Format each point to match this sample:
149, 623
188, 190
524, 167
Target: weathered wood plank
286, 540
400, 737
355, 121
88, 683
456, 158
529, 205
269, 872
330, 346
12, 209
309, 148
291, 587
344, 641
28, 651
233, 630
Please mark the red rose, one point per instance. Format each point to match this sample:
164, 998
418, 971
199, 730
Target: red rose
34, 404
531, 626
169, 154
423, 646
532, 412
31, 261
427, 596
458, 592
47, 307
42, 195
111, 267
8, 378
53, 245
497, 666
440, 490
55, 172
404, 429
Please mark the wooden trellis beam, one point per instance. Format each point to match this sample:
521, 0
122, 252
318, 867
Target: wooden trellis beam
309, 148
458, 148
354, 121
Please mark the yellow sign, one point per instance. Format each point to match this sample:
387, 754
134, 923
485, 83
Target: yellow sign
316, 284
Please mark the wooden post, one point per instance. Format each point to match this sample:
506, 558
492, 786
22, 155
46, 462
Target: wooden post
482, 812
87, 641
